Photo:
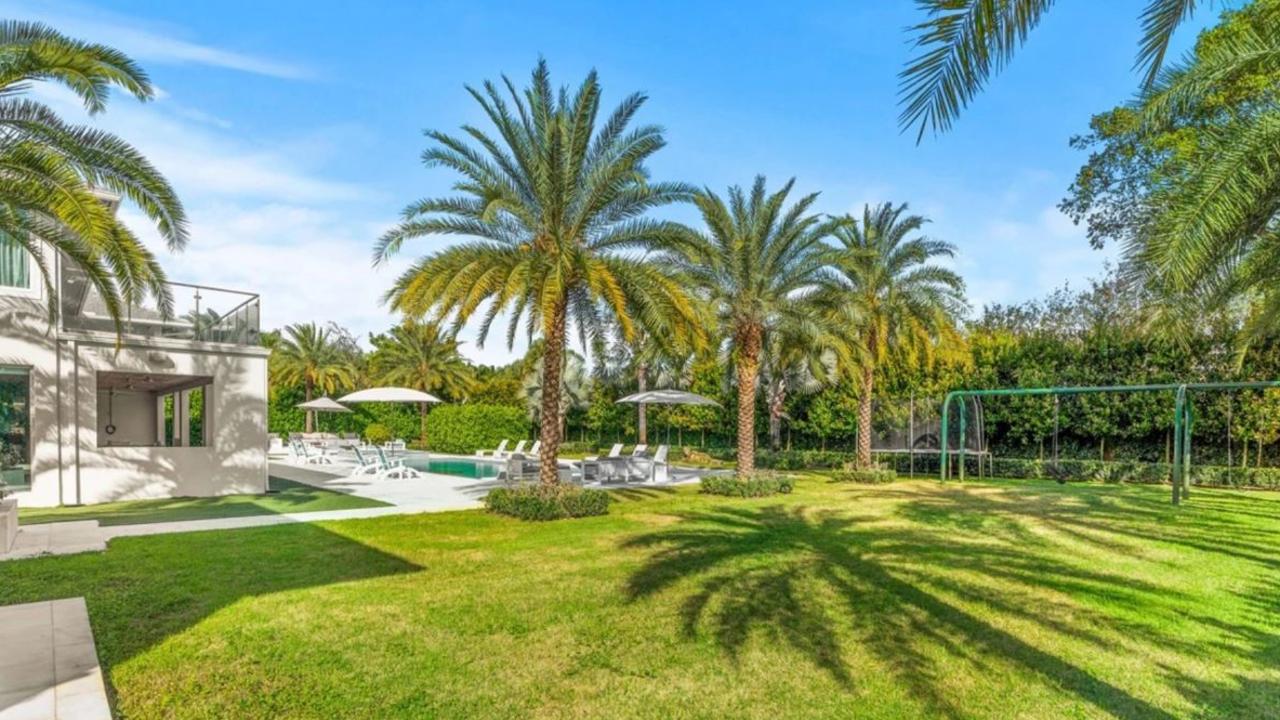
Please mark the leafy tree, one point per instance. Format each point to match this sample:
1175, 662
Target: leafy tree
895, 302
309, 355
963, 43
53, 171
759, 263
419, 356
555, 203
570, 395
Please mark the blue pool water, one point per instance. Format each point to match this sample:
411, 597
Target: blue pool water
461, 467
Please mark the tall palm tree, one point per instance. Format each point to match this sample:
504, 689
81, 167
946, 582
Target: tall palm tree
309, 355
759, 263
893, 300
52, 174
575, 384
795, 360
963, 43
555, 204
419, 356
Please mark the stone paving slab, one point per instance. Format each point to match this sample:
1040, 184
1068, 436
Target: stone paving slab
48, 663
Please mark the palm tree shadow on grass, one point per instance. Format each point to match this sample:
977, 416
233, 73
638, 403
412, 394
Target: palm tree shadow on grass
765, 570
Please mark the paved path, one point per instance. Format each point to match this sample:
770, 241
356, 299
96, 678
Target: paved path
48, 663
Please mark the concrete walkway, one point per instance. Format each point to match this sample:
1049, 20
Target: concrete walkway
49, 664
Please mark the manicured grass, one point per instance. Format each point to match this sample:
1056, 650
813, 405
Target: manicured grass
286, 497
915, 599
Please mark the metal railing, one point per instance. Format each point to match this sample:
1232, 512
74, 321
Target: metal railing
199, 312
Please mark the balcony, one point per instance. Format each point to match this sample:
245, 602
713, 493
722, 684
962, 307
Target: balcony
199, 313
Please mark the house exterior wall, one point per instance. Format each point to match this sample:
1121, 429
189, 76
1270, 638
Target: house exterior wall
68, 467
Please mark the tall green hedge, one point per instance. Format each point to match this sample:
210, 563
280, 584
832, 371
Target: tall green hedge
467, 428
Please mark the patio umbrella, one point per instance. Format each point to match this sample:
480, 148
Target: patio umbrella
668, 397
395, 394
322, 404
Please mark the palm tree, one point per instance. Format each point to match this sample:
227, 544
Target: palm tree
310, 356
53, 174
555, 206
965, 42
759, 263
1213, 238
419, 356
575, 384
795, 359
893, 300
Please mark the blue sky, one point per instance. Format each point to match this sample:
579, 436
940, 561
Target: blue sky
292, 130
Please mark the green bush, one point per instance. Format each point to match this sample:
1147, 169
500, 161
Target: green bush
757, 485
463, 429
377, 433
547, 502
874, 475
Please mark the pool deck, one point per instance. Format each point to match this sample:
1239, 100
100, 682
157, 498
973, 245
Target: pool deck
432, 490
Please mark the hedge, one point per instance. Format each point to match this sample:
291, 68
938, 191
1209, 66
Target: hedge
758, 485
547, 502
876, 475
464, 429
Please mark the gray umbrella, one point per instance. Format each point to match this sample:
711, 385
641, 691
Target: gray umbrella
322, 404
668, 397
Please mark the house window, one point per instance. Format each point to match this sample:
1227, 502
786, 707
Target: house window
15, 264
15, 427
153, 410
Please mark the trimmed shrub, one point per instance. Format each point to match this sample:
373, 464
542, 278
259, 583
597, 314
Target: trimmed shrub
760, 484
874, 475
547, 502
463, 429
377, 433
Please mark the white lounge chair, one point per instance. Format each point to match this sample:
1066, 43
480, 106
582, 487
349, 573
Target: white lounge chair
518, 451
309, 457
537, 446
395, 467
520, 467
394, 446
499, 452
650, 469
367, 462
619, 466
591, 465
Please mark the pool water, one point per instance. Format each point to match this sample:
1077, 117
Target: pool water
477, 469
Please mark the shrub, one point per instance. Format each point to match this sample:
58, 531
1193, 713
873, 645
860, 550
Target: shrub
466, 428
757, 485
377, 433
547, 502
874, 475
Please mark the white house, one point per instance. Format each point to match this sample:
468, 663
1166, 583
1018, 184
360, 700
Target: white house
175, 405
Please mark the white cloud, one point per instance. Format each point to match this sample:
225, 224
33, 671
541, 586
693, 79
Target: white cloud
159, 45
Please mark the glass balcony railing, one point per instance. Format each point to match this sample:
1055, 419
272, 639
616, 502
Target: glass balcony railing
200, 313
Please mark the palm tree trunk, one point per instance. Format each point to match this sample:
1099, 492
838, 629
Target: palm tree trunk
748, 368
642, 420
422, 424
552, 368
310, 415
864, 418
777, 401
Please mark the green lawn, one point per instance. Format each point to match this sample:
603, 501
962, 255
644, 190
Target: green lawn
917, 599
286, 497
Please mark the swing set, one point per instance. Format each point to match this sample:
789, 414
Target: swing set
1183, 419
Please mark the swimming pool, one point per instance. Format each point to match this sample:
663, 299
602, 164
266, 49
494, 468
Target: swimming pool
460, 467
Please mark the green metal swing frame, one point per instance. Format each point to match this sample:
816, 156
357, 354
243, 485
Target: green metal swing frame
1183, 419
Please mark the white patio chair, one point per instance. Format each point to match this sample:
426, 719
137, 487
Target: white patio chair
498, 452
309, 457
650, 469
612, 468
366, 463
395, 467
591, 465
394, 446
507, 454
